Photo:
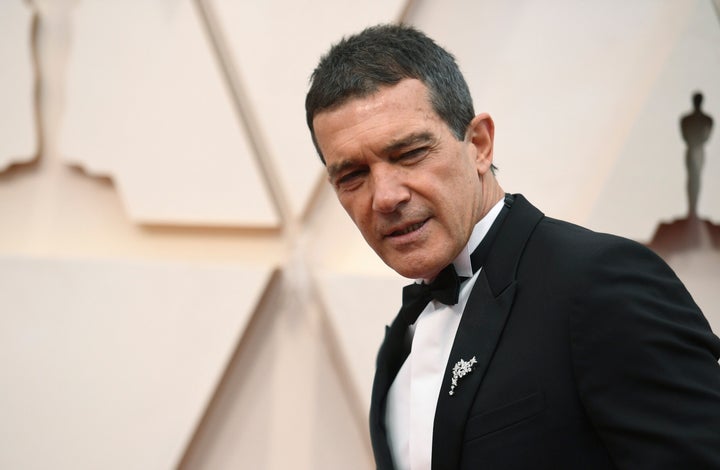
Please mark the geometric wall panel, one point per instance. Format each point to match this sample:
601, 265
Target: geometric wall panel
110, 364
275, 45
147, 105
359, 324
586, 97
17, 79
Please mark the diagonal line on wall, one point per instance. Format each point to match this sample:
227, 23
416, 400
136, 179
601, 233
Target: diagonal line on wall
244, 110
340, 362
210, 422
406, 11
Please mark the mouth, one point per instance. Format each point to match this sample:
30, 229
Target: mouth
407, 229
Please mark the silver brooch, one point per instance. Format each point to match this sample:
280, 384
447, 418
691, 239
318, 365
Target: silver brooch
460, 370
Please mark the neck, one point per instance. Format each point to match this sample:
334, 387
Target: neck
492, 193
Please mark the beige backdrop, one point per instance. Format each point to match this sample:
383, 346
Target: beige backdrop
179, 287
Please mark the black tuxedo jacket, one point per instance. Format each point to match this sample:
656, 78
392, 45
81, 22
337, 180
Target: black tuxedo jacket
591, 354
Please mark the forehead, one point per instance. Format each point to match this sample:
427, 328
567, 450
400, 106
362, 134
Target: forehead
389, 114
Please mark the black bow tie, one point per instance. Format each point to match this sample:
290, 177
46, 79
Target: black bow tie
444, 288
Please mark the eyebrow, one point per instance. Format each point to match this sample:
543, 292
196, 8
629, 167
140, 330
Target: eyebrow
408, 141
337, 168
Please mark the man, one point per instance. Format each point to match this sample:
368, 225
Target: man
556, 347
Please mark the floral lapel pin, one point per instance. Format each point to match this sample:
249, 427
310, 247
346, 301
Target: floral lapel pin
460, 370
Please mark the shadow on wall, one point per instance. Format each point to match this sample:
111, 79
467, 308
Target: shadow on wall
690, 233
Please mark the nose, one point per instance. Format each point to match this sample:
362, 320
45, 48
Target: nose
389, 190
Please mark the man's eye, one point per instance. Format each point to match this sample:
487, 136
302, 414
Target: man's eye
350, 177
414, 153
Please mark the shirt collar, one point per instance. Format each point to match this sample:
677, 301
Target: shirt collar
462, 263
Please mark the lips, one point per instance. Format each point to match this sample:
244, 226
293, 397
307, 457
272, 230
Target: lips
407, 229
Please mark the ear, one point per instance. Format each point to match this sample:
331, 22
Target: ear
480, 134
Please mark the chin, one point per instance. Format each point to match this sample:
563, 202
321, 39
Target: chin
411, 272
422, 268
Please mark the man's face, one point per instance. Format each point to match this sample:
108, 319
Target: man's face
409, 185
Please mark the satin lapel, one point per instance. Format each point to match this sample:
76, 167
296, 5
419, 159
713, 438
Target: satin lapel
391, 356
480, 328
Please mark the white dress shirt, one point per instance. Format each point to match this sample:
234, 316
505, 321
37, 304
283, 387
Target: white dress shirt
413, 395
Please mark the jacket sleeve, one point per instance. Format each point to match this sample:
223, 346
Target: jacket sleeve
645, 361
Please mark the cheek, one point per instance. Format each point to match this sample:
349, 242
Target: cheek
460, 202
354, 208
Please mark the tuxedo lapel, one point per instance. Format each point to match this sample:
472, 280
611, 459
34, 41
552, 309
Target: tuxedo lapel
391, 356
480, 329
478, 334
